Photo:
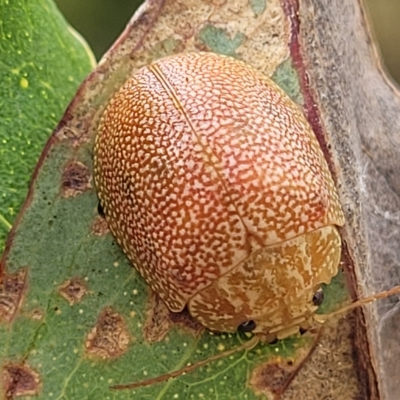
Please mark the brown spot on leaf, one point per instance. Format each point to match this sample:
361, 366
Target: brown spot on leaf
76, 179
12, 288
273, 378
19, 380
109, 338
36, 314
159, 320
75, 130
73, 290
99, 226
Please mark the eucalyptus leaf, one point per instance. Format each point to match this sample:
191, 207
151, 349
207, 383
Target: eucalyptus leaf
42, 63
75, 317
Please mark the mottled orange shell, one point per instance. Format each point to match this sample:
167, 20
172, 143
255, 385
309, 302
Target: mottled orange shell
215, 186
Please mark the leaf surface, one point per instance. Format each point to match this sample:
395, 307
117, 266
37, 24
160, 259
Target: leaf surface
42, 63
75, 317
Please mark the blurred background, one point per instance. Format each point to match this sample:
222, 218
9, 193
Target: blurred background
109, 17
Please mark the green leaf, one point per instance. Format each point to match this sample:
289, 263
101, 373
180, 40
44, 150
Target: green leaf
42, 62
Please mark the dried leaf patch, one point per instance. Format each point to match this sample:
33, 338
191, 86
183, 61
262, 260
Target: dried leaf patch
159, 320
76, 179
274, 377
19, 380
99, 226
109, 338
12, 288
73, 290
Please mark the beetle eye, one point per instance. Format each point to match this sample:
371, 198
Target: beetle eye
318, 297
247, 326
100, 210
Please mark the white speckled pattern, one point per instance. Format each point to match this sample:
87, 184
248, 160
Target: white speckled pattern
200, 161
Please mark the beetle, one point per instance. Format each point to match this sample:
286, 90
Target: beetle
216, 188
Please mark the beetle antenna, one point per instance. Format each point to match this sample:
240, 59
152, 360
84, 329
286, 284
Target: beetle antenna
250, 344
358, 303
